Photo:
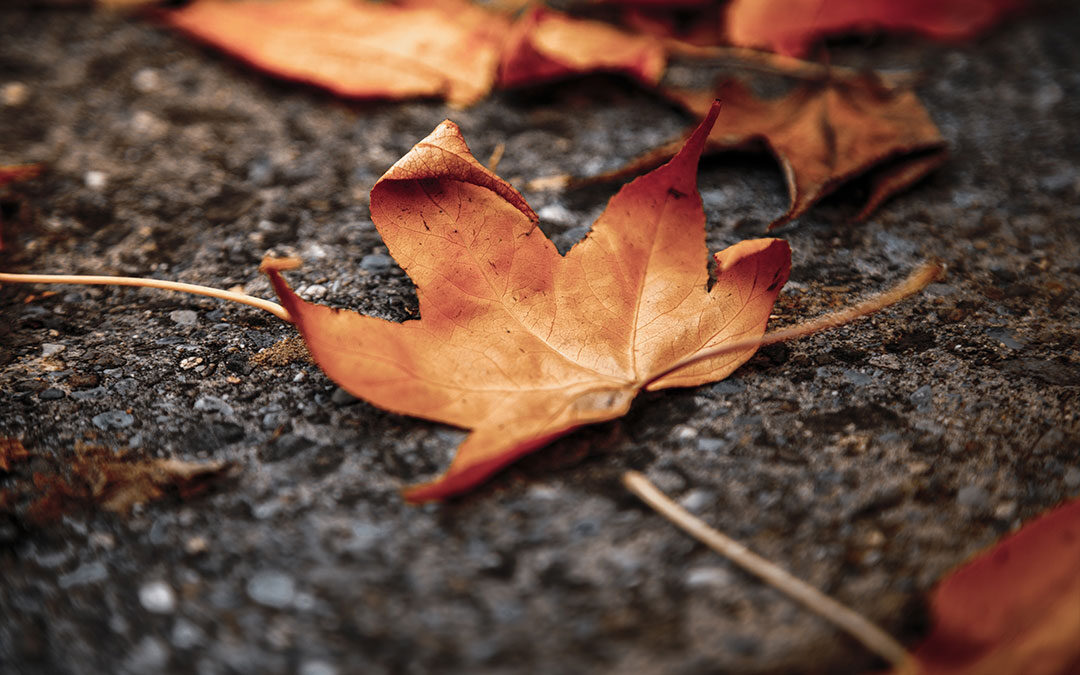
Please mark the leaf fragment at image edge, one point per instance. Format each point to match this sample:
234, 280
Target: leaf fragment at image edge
792, 27
519, 343
1014, 609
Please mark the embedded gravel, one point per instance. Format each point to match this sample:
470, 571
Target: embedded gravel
868, 461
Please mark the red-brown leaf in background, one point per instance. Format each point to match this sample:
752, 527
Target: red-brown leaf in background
97, 476
823, 134
519, 343
92, 476
443, 48
791, 27
547, 45
701, 25
13, 173
11, 451
1013, 610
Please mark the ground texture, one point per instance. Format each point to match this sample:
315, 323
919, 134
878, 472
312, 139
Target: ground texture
869, 460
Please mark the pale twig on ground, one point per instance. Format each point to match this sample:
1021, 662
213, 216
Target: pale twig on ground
862, 629
195, 289
496, 157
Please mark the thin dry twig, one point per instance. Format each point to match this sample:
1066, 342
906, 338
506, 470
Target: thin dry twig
496, 157
862, 629
195, 289
916, 281
789, 66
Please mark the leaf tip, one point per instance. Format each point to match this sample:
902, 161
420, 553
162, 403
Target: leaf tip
273, 264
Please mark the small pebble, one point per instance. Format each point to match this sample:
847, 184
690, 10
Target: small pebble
51, 349
146, 80
273, 420
89, 394
184, 317
708, 577
557, 214
342, 397
922, 398
126, 386
376, 262
285, 446
14, 94
102, 540
857, 378
190, 362
684, 432
271, 589
149, 656
706, 444
1005, 510
87, 573
146, 124
1005, 338
196, 545
157, 597
213, 404
95, 180
1072, 478
667, 481
260, 172
317, 668
186, 635
732, 385
695, 501
113, 419
51, 394
316, 292
973, 497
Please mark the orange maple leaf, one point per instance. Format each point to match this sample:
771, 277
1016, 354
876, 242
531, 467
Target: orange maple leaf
523, 345
546, 45
445, 48
823, 134
791, 27
1014, 610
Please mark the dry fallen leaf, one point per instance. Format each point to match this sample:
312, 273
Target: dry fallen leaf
11, 451
547, 45
15, 172
445, 48
97, 476
791, 27
94, 475
699, 24
523, 345
823, 134
1014, 610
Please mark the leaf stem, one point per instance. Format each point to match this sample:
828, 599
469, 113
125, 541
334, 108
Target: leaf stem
195, 289
789, 66
916, 281
862, 629
496, 157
